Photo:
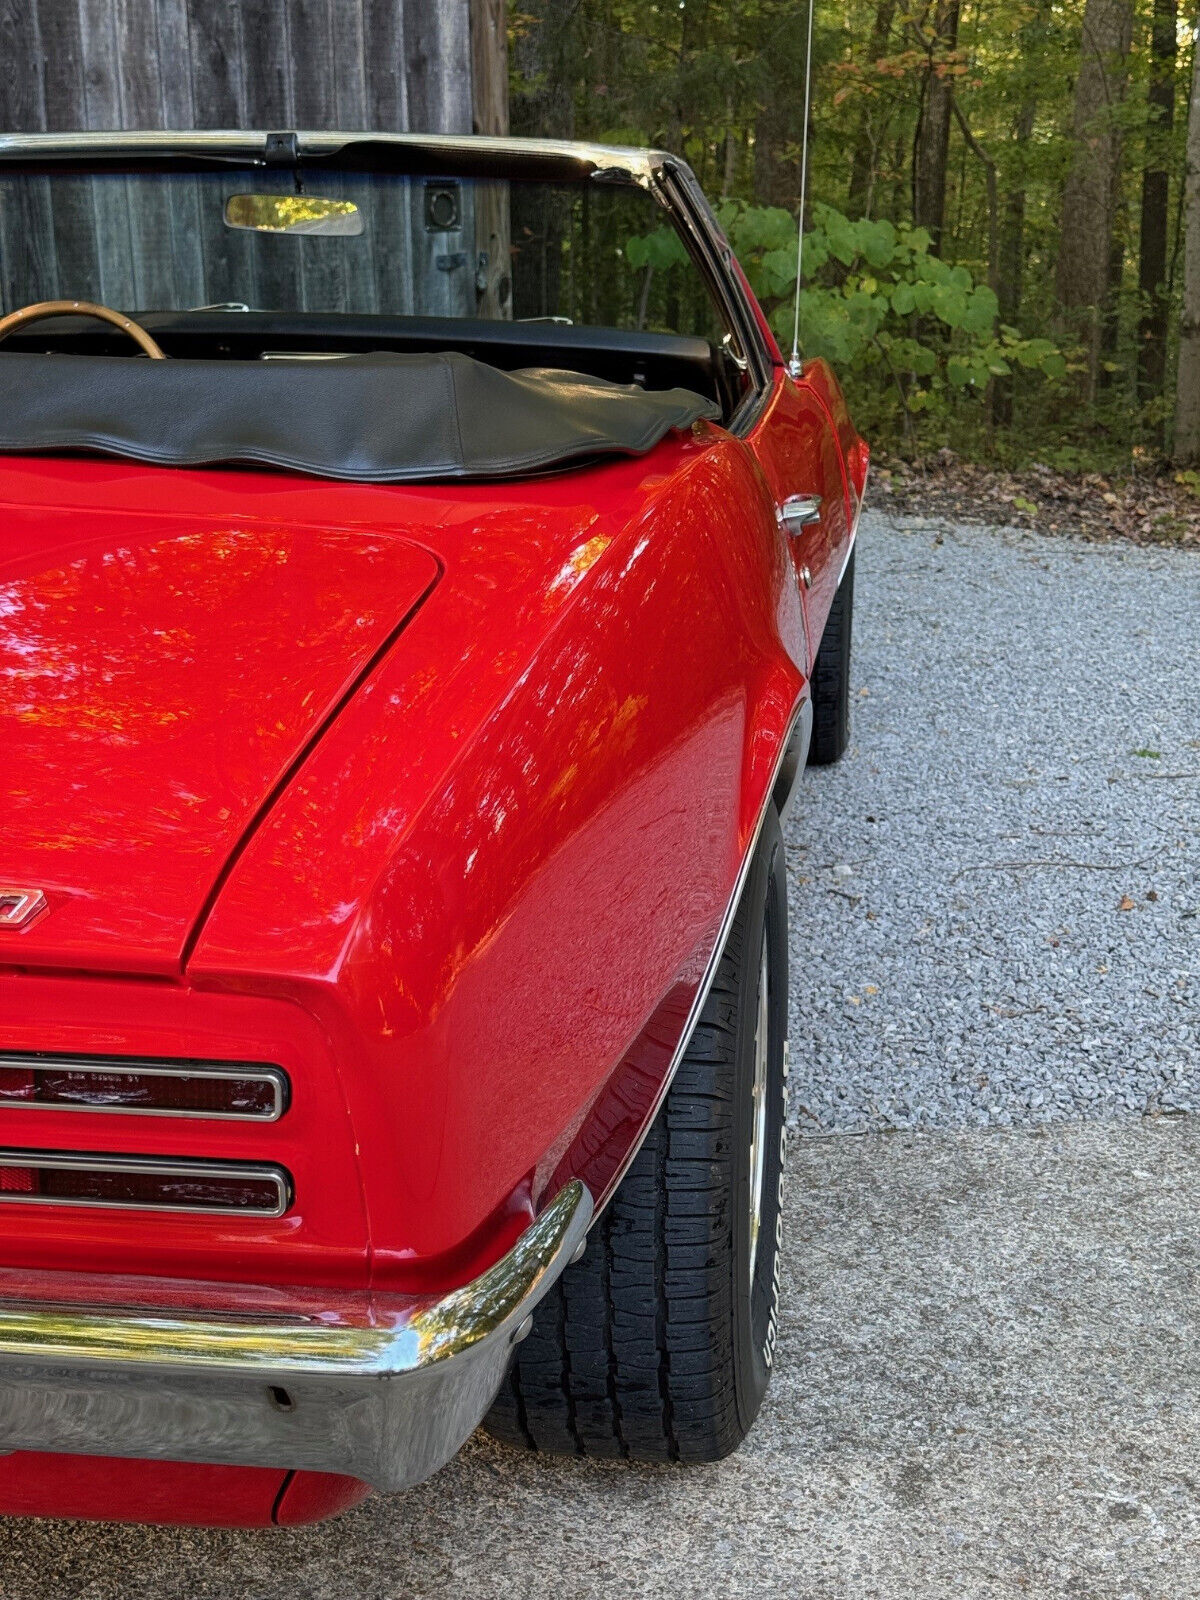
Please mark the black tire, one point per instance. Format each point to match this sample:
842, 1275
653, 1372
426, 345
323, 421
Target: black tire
657, 1345
831, 678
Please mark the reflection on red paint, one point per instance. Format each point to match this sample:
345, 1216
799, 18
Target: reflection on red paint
433, 796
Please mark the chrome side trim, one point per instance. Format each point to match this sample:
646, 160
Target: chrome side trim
133, 1066
147, 1167
858, 511
383, 1388
802, 722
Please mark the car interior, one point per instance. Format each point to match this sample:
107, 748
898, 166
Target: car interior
647, 359
582, 294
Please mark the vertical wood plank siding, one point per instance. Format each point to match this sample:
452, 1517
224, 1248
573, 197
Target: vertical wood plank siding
393, 65
388, 65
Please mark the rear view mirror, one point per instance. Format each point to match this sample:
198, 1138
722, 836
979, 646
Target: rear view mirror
292, 213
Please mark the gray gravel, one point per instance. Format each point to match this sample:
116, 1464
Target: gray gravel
959, 955
987, 1387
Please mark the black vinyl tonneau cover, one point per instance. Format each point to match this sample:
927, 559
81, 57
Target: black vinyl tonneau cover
382, 418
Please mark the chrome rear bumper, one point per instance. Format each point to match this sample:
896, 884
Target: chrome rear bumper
384, 1389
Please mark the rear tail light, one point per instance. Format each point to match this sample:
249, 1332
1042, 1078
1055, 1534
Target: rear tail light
243, 1092
144, 1183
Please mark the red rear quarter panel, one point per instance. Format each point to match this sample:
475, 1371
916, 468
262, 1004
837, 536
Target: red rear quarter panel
524, 831
488, 890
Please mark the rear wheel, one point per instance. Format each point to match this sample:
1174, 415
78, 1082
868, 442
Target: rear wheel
831, 678
657, 1345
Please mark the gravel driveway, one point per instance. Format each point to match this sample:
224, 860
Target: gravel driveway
987, 1380
998, 894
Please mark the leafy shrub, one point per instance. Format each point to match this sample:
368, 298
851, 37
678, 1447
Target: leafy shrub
907, 330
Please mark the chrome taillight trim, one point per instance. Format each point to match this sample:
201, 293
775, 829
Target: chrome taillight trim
150, 1167
150, 1067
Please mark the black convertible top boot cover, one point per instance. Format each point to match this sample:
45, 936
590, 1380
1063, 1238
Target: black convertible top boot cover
367, 419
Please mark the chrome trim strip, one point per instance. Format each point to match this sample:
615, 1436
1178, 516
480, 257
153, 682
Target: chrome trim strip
380, 1388
147, 1167
803, 710
132, 1066
639, 164
858, 511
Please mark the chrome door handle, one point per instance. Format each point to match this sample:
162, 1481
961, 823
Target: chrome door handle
799, 511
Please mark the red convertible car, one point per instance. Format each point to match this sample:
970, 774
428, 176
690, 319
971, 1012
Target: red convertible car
422, 583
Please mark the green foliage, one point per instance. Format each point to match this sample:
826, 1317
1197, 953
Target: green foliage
722, 82
898, 322
660, 250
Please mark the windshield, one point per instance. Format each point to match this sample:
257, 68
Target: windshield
601, 254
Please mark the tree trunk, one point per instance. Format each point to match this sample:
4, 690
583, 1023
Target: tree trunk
775, 180
543, 58
932, 146
1085, 257
1010, 268
1187, 399
1156, 195
866, 144
1011, 274
1110, 317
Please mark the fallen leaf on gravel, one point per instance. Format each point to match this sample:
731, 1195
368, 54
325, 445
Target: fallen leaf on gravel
1126, 903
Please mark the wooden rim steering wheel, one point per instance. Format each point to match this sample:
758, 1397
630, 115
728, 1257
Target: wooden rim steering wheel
80, 308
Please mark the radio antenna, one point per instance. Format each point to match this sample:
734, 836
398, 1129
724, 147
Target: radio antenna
795, 365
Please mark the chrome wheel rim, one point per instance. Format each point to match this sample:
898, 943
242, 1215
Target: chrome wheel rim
758, 1114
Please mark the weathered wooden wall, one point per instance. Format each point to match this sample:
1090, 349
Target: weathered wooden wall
387, 65
394, 65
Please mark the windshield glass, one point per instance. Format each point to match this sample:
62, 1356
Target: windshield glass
597, 253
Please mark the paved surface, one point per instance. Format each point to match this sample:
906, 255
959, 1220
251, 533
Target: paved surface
988, 1374
988, 1387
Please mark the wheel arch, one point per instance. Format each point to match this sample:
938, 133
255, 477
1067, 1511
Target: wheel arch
775, 751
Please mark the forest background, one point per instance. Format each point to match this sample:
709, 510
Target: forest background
1003, 231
